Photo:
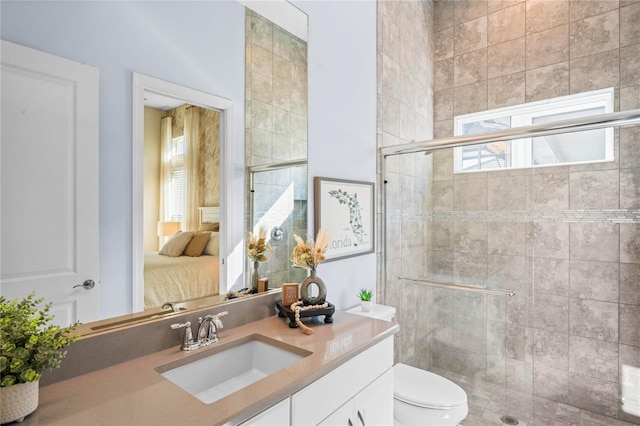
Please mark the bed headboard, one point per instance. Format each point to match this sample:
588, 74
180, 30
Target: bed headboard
208, 214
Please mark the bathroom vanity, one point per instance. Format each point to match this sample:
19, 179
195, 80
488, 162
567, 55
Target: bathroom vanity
342, 372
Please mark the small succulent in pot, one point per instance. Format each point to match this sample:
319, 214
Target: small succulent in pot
31, 343
365, 295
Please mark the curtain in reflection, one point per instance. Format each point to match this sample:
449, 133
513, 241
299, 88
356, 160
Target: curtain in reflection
191, 131
165, 169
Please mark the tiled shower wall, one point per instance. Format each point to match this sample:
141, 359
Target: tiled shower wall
276, 131
405, 113
566, 240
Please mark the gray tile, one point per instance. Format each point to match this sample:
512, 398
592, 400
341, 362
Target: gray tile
597, 71
594, 34
441, 236
593, 319
506, 58
506, 90
630, 99
470, 268
470, 67
551, 276
594, 241
441, 266
506, 24
466, 10
629, 28
515, 374
495, 338
580, 9
506, 271
548, 82
443, 164
470, 36
515, 342
594, 358
470, 237
630, 283
548, 47
443, 14
507, 193
443, 44
551, 313
262, 60
630, 188
594, 280
630, 65
495, 5
630, 146
593, 394
549, 240
442, 195
551, 191
443, 74
517, 309
470, 194
545, 14
506, 238
389, 38
470, 98
629, 324
594, 190
630, 242
551, 383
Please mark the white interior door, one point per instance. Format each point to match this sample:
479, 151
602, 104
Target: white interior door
49, 181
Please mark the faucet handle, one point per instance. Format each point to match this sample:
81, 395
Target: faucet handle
216, 318
187, 341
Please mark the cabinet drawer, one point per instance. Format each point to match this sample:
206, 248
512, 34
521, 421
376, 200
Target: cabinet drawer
315, 402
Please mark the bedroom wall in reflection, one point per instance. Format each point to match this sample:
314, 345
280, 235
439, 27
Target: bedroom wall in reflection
186, 266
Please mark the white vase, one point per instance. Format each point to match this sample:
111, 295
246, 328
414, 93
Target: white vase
365, 305
18, 401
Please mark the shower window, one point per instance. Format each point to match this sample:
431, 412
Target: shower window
569, 148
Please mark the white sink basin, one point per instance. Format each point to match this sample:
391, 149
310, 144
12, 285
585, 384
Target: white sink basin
211, 376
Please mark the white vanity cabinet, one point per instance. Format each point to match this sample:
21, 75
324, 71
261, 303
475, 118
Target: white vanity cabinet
371, 406
363, 384
358, 392
275, 415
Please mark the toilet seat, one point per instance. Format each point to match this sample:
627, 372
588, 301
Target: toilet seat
424, 389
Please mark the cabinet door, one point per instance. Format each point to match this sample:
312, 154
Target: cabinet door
321, 398
276, 415
374, 405
343, 416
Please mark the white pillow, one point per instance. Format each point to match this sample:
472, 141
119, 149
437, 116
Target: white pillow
176, 245
213, 246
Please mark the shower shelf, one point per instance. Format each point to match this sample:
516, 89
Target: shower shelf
462, 287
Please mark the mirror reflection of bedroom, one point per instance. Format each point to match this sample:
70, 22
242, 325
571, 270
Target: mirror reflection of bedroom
181, 201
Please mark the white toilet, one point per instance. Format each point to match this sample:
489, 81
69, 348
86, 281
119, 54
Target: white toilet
421, 397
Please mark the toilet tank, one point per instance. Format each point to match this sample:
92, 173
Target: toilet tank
382, 312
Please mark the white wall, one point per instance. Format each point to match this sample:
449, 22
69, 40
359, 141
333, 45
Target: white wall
201, 45
342, 119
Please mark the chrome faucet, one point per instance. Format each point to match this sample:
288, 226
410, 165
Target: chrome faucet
187, 341
207, 331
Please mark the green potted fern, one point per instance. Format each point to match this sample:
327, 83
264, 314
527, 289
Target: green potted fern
30, 345
365, 299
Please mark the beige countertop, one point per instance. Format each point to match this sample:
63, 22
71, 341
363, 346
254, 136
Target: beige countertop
134, 393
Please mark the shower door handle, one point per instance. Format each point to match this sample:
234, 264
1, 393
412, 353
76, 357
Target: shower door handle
361, 418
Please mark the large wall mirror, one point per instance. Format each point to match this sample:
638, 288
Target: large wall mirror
170, 62
276, 141
177, 193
